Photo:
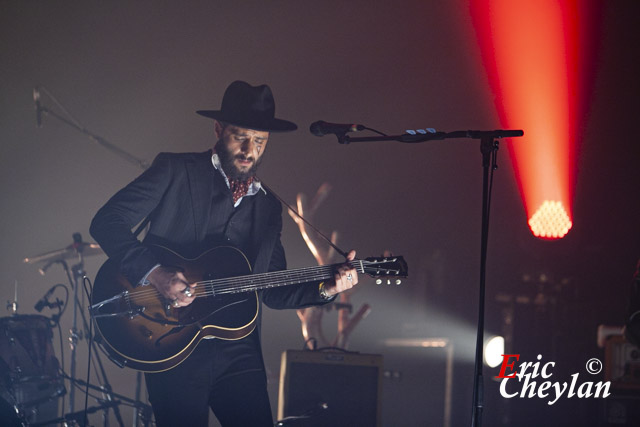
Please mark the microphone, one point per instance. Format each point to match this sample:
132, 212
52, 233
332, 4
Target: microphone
321, 128
77, 242
43, 270
44, 300
36, 99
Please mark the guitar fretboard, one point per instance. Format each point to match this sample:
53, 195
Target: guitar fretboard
255, 282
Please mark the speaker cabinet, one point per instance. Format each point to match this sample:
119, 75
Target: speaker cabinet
330, 388
622, 363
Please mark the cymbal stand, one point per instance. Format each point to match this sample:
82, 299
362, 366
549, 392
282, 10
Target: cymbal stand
75, 281
143, 410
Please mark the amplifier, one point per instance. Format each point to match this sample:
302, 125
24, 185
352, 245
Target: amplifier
622, 363
330, 388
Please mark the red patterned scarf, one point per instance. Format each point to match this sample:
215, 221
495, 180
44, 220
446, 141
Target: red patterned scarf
239, 188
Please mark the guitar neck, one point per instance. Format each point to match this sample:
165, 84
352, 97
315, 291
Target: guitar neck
255, 282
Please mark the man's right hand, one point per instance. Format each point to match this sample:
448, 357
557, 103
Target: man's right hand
172, 285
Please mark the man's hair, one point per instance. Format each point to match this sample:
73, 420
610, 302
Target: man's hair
223, 125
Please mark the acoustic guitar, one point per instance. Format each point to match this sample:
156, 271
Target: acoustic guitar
140, 329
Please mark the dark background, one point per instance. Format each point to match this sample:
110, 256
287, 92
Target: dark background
135, 72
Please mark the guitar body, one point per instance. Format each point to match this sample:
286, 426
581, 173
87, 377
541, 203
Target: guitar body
155, 336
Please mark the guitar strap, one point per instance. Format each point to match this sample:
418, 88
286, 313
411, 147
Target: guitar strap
141, 227
340, 251
145, 222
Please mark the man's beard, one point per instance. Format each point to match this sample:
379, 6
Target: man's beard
230, 169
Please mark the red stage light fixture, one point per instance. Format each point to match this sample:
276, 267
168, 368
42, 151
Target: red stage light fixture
529, 49
550, 221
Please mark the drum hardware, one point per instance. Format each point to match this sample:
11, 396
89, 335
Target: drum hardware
29, 380
12, 306
110, 400
77, 250
75, 275
77, 418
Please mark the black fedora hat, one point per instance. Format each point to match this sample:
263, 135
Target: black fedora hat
250, 107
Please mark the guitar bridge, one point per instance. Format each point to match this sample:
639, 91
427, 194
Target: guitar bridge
115, 304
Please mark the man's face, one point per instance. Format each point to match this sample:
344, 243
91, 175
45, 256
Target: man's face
240, 150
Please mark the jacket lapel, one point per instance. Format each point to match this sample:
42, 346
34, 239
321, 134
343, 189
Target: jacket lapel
206, 187
264, 233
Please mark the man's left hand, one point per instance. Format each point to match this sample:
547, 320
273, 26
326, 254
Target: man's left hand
345, 277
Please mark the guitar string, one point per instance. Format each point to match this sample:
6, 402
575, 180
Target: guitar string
256, 278
252, 281
211, 289
258, 281
274, 275
208, 288
262, 280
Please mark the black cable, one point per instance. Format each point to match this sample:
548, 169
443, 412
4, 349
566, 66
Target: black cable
494, 167
376, 131
61, 367
86, 280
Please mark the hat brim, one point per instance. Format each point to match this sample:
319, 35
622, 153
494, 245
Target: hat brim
270, 125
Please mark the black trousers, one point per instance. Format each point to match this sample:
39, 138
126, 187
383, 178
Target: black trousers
226, 376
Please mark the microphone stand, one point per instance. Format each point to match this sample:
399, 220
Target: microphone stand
343, 138
489, 150
142, 164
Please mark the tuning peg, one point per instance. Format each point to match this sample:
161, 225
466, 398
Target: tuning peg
396, 282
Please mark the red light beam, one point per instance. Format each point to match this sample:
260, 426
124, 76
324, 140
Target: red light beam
529, 51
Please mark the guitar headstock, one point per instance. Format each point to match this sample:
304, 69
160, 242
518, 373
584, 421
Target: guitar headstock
385, 267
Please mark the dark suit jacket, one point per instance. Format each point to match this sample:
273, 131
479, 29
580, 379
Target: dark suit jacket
180, 193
